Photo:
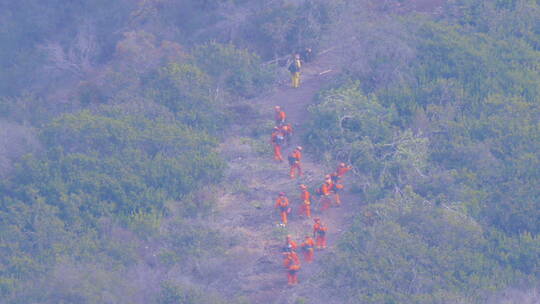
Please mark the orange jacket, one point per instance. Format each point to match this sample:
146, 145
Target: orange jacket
287, 261
280, 115
287, 129
282, 202
342, 170
325, 188
305, 196
309, 243
296, 154
293, 256
291, 265
319, 228
336, 187
291, 244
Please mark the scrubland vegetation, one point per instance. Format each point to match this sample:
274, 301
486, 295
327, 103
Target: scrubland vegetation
111, 113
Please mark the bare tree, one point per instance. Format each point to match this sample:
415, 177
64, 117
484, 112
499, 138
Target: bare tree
78, 57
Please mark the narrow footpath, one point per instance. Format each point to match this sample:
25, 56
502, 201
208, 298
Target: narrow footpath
246, 208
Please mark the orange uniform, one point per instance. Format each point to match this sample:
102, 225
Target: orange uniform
276, 140
280, 116
282, 203
287, 131
319, 232
326, 187
294, 257
305, 197
336, 187
292, 265
294, 162
342, 169
290, 245
277, 153
290, 258
308, 249
325, 191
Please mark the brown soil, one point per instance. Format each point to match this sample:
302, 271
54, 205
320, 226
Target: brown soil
253, 267
247, 208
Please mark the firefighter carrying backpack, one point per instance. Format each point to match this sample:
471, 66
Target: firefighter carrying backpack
293, 68
292, 160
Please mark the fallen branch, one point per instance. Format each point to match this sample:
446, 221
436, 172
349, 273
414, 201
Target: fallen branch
325, 72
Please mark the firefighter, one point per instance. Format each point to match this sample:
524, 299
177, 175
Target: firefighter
292, 266
305, 197
336, 188
308, 249
324, 191
294, 162
294, 68
319, 233
335, 177
277, 140
290, 245
279, 116
287, 131
282, 203
342, 169
306, 55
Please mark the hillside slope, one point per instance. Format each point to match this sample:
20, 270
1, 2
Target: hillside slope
247, 206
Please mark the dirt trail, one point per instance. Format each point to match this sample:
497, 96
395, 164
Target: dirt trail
246, 209
253, 266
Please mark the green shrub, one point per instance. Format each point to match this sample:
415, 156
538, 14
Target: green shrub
233, 69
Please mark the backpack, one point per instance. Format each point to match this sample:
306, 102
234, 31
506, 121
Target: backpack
293, 68
287, 248
321, 231
292, 160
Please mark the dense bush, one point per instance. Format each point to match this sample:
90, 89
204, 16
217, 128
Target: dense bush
406, 250
98, 166
236, 70
284, 29
358, 129
446, 157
